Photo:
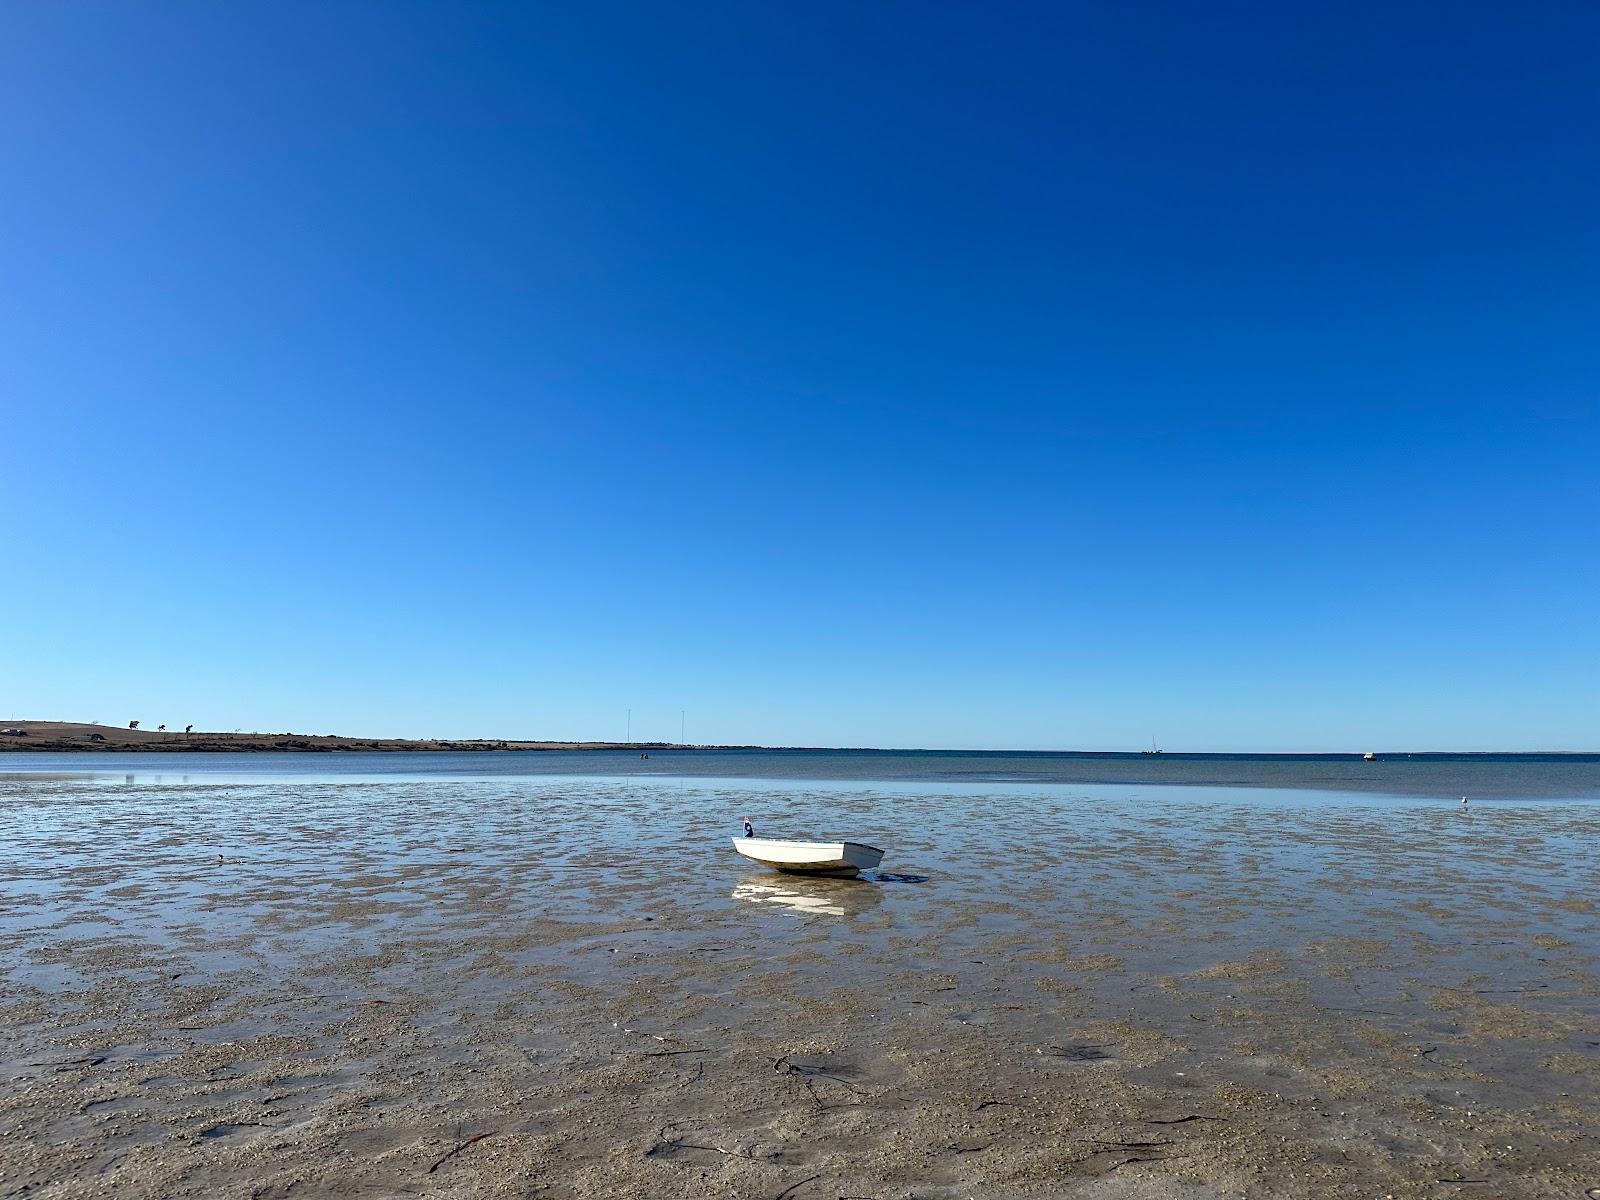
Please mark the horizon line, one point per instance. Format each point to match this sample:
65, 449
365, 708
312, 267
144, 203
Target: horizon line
547, 745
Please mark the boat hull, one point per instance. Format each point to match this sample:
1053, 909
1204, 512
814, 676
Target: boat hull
810, 858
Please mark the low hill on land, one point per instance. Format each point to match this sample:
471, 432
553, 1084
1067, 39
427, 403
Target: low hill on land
73, 735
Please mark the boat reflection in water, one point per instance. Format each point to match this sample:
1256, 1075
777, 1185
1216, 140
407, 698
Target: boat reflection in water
811, 897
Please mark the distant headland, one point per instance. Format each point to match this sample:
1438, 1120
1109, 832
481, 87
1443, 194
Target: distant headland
1164, 765
74, 735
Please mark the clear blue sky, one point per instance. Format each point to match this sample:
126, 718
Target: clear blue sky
987, 375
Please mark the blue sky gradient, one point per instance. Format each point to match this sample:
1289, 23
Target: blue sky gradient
1045, 377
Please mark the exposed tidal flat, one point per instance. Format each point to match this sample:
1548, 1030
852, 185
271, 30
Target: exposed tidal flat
285, 985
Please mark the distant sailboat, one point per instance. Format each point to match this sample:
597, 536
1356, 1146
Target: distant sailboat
1153, 749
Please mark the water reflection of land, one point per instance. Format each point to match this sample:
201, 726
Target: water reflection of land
814, 897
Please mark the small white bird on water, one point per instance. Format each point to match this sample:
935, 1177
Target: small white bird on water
1463, 799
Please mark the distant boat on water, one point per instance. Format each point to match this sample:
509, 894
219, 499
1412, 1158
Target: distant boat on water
1369, 756
1153, 748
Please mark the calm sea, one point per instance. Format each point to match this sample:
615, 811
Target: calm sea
1481, 776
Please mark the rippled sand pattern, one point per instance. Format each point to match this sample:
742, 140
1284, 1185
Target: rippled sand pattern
559, 987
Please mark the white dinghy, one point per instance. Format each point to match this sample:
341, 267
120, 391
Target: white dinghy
810, 858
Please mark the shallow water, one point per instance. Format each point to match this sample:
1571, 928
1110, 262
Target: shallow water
1254, 952
1482, 776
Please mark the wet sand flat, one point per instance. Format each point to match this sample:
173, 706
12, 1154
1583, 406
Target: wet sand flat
572, 987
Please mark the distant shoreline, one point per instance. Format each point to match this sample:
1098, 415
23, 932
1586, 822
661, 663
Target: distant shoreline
81, 737
90, 739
